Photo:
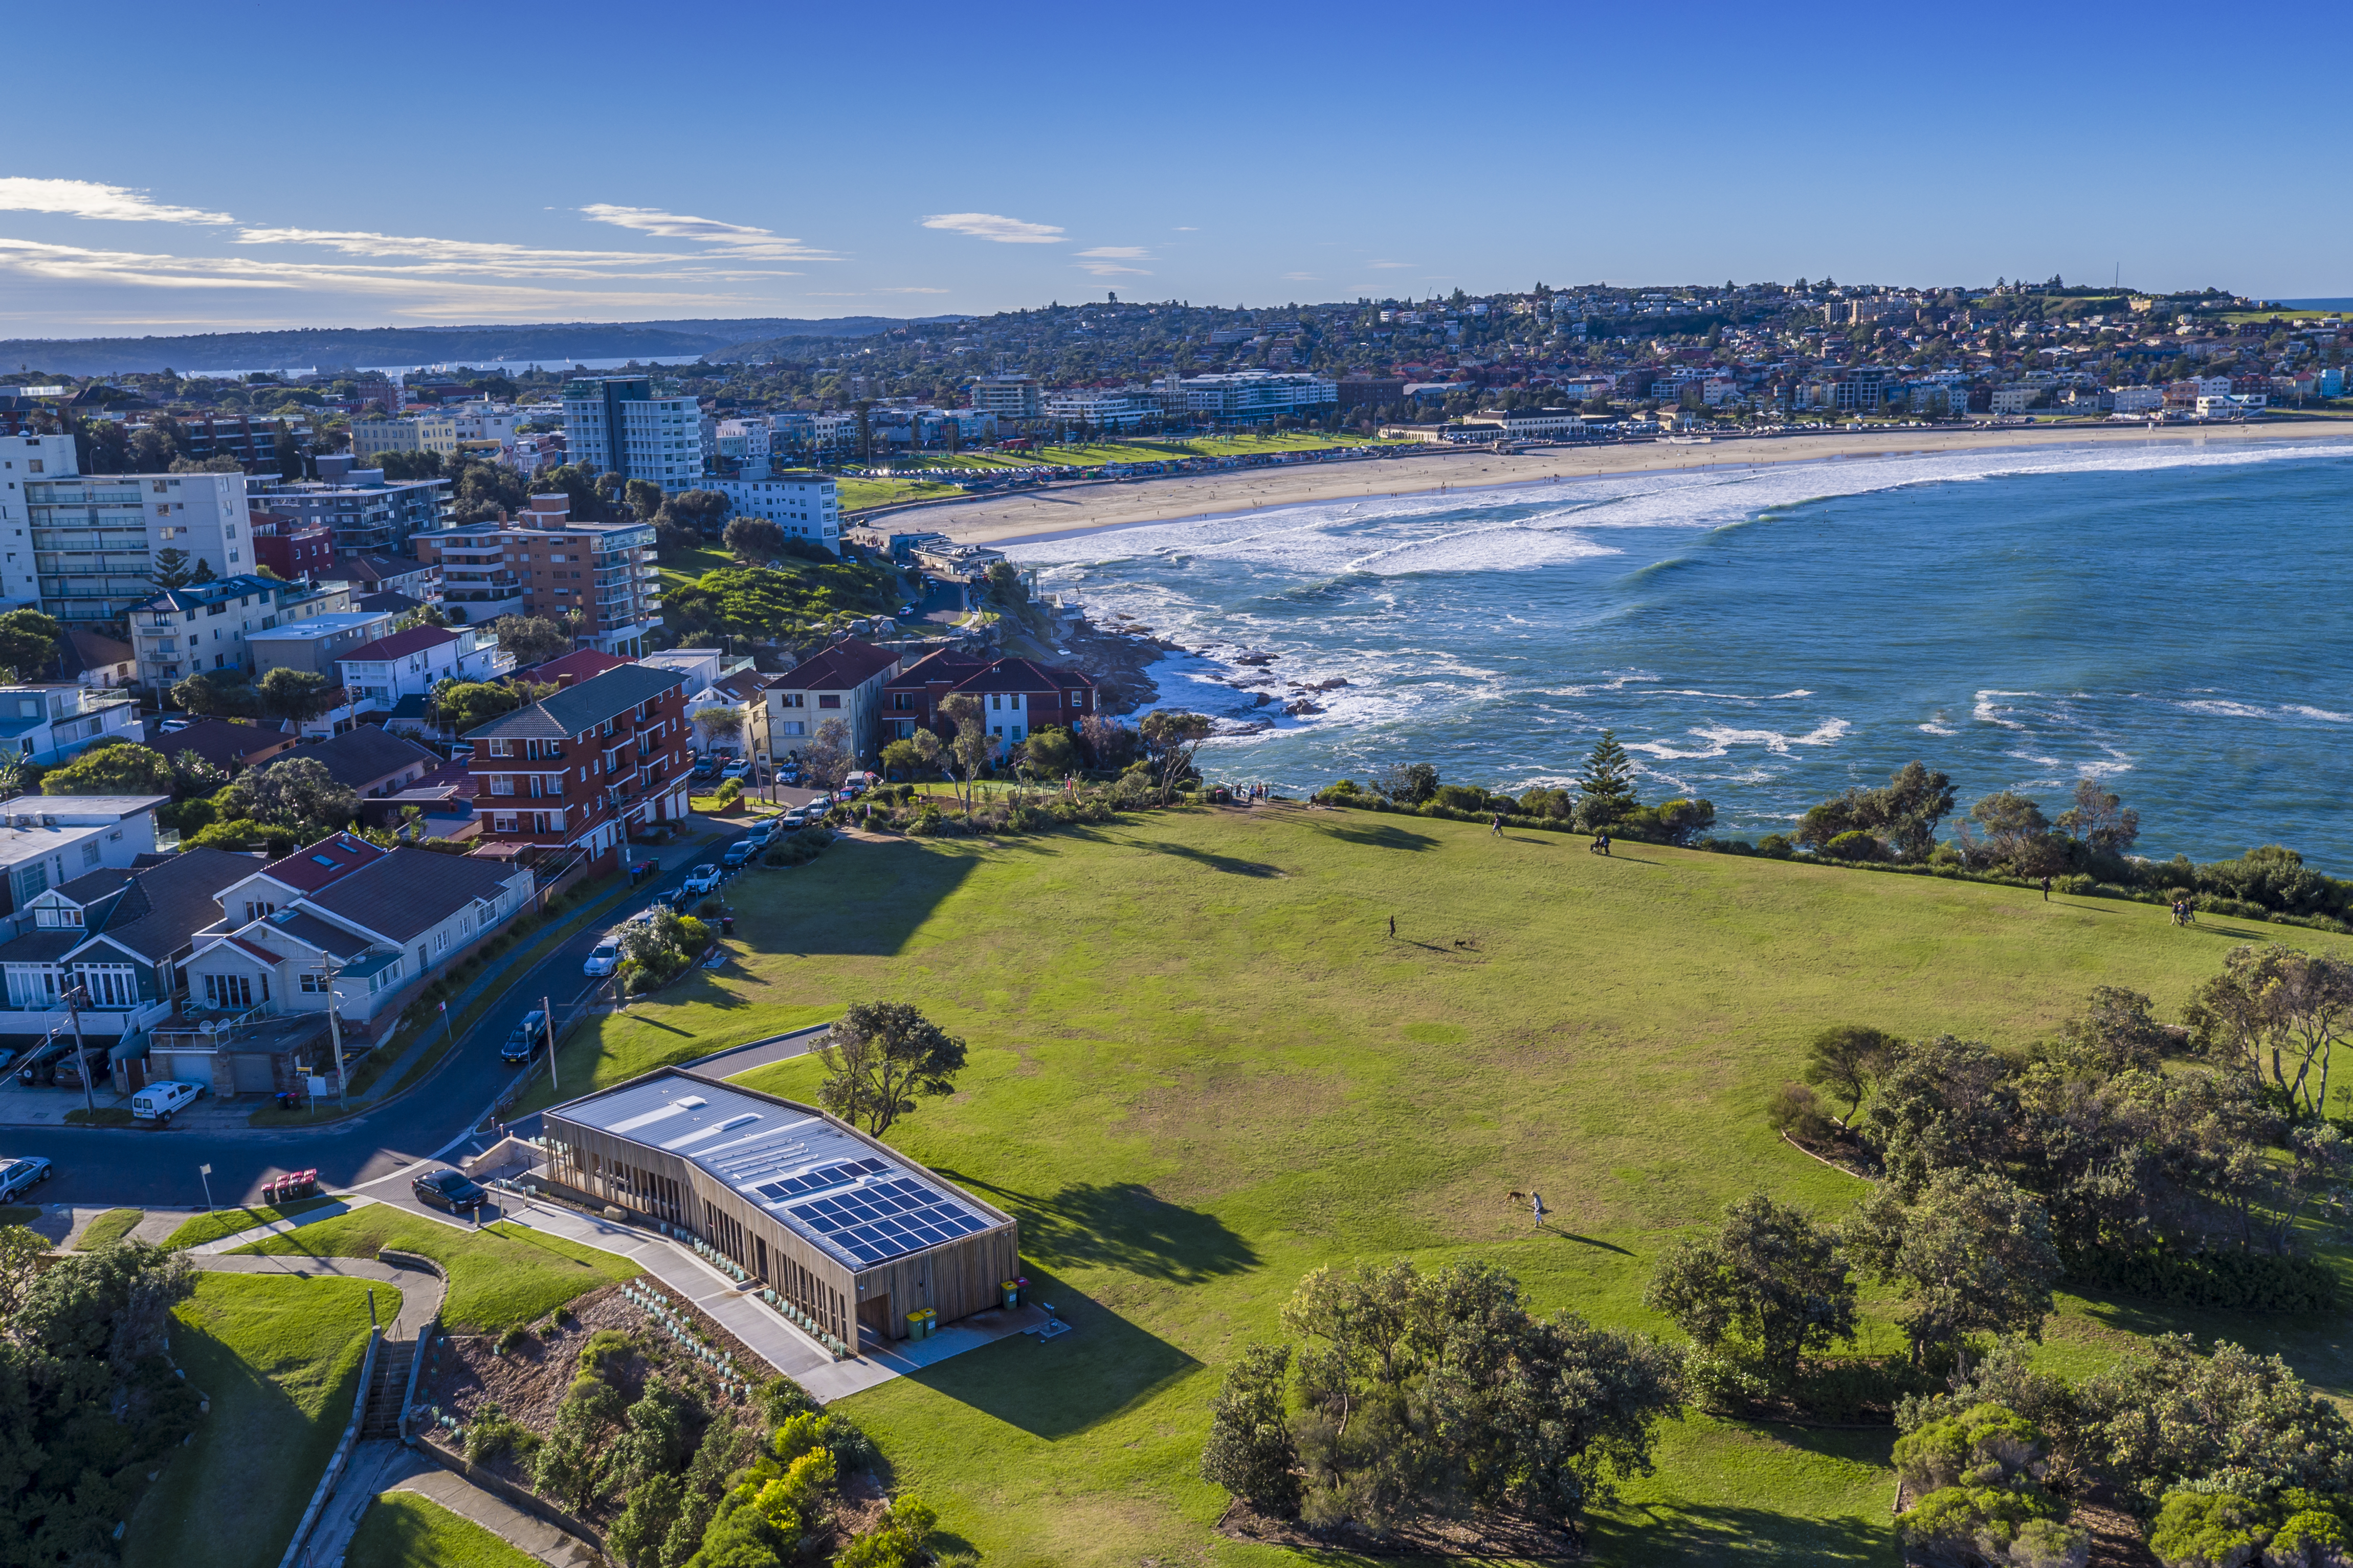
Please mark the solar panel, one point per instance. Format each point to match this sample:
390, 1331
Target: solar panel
886, 1219
819, 1180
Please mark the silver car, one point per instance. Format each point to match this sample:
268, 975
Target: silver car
605, 958
18, 1177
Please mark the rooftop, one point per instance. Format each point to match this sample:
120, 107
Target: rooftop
579, 708
858, 1201
415, 640
844, 665
321, 627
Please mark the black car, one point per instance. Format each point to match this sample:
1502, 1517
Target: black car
40, 1064
529, 1036
449, 1190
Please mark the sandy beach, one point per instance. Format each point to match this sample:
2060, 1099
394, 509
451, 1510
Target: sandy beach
1088, 507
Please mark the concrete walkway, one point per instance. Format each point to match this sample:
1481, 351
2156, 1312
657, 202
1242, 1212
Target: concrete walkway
721, 1066
533, 1536
246, 1237
376, 1466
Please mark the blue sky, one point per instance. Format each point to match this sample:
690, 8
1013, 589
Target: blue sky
185, 170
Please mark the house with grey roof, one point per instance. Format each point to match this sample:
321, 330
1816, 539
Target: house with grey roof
112, 939
582, 770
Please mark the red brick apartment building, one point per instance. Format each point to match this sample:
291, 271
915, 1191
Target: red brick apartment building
588, 766
1017, 695
542, 563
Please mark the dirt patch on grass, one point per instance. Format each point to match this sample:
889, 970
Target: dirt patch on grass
1244, 1108
1485, 1535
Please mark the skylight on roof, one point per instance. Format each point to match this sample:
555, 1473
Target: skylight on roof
690, 1102
323, 860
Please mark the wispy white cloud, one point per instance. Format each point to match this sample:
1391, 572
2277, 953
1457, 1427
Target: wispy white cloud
1119, 253
991, 226
1385, 265
354, 242
1300, 278
736, 239
86, 199
1114, 270
911, 291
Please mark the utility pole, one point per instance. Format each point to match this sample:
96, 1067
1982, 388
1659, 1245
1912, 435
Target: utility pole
75, 996
336, 1032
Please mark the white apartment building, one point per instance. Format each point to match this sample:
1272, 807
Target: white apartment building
1009, 396
2017, 397
483, 420
803, 504
1258, 394
1535, 423
627, 425
1102, 410
423, 433
23, 457
745, 443
406, 664
95, 539
50, 723
2136, 399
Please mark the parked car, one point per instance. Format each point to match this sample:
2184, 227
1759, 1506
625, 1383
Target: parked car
19, 1176
761, 832
74, 1064
450, 1190
703, 879
708, 768
529, 1036
906, 612
40, 1064
736, 770
603, 959
742, 850
157, 1102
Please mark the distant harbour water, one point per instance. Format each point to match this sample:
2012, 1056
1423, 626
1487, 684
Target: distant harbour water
2169, 619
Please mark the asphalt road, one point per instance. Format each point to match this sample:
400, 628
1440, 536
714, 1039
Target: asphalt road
139, 1165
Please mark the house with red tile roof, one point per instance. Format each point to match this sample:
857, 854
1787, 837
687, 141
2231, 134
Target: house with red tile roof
1017, 696
845, 682
378, 674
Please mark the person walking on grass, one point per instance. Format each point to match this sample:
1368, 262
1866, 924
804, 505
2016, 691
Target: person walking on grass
1393, 925
1496, 830
1535, 1203
2046, 890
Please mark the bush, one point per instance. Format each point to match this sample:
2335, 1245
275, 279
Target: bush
2207, 1529
492, 1433
730, 792
2241, 1281
1796, 1111
1985, 1445
1964, 1524
1854, 845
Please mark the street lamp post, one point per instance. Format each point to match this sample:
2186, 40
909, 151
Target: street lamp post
75, 998
336, 1032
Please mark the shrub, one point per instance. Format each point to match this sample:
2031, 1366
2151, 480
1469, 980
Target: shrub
1957, 1524
2241, 1281
2207, 1529
781, 1399
1985, 1445
605, 1347
511, 1339
1796, 1111
729, 793
1776, 845
492, 1433
1855, 845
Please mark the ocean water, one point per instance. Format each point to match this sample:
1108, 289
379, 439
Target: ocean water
2170, 619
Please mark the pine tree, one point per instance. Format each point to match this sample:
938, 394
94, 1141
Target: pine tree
1605, 790
171, 569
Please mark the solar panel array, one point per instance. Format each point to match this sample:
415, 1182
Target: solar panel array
817, 1181
886, 1219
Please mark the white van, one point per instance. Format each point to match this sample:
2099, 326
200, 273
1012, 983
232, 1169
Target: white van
157, 1102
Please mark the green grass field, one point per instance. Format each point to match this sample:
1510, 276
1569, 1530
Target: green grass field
402, 1530
204, 1228
1200, 1067
279, 1356
108, 1228
501, 1275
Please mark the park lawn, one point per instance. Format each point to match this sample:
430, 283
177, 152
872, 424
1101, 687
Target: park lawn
108, 1228
858, 495
501, 1276
204, 1227
402, 1530
1200, 1067
279, 1356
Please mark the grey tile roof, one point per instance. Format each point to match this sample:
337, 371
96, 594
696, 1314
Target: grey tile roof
585, 704
363, 754
165, 905
410, 891
320, 934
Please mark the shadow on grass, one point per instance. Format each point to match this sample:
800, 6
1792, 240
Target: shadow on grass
1590, 1241
1226, 863
1057, 1388
1656, 1537
1123, 1224
896, 888
1382, 838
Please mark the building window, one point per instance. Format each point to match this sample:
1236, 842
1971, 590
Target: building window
109, 985
229, 990
501, 748
830, 699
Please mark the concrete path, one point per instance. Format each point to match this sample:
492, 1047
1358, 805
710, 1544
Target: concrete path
527, 1534
721, 1066
376, 1466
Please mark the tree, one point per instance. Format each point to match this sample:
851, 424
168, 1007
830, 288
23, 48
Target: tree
2012, 824
217, 694
1973, 1255
1413, 783
29, 644
298, 793
704, 512
2100, 819
1770, 1282
2280, 1012
2176, 1415
969, 746
1900, 818
1846, 1059
466, 705
203, 574
1172, 738
1250, 1451
643, 496
721, 721
881, 1059
533, 639
1051, 753
754, 539
294, 695
828, 757
1605, 790
23, 1252
112, 767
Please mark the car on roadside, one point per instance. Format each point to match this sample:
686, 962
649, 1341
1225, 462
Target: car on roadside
703, 879
159, 1100
742, 850
603, 959
94, 1064
708, 768
736, 770
528, 1037
447, 1189
906, 612
19, 1176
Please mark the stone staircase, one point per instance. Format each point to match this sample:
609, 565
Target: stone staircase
390, 1389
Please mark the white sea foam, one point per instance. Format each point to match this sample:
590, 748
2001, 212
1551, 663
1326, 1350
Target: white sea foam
2226, 710
1987, 711
2322, 714
1722, 738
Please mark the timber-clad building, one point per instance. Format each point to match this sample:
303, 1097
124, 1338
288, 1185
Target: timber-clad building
852, 1232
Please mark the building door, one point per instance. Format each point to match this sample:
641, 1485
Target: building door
874, 1312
